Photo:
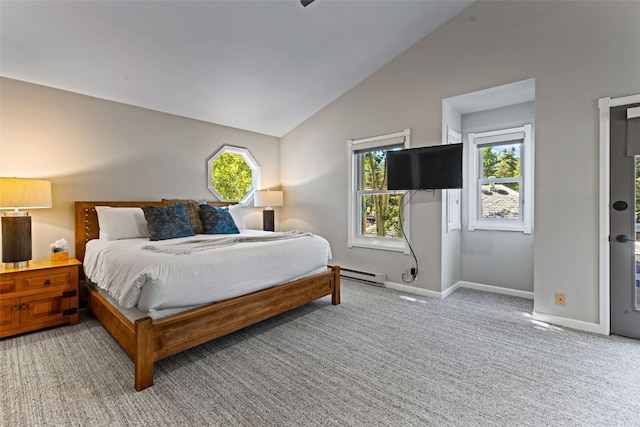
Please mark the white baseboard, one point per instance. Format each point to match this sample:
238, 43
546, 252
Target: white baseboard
495, 289
415, 291
451, 289
569, 323
541, 317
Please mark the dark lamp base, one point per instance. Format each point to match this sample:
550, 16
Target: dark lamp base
16, 240
268, 221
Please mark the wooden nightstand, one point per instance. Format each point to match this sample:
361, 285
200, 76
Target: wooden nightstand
43, 294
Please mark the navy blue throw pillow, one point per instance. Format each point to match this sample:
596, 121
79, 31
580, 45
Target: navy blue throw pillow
217, 220
167, 222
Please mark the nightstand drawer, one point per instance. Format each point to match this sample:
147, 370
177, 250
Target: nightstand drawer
9, 315
7, 286
47, 308
37, 296
47, 281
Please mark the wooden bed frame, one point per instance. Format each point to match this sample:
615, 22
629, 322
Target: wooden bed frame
149, 340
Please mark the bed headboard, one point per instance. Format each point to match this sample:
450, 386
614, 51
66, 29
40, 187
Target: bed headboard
86, 220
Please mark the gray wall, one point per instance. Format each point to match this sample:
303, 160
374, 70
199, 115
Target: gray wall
497, 258
576, 51
93, 149
451, 239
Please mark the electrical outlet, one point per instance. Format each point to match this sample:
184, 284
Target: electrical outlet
561, 298
409, 274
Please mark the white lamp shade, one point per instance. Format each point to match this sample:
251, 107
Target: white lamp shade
267, 198
24, 193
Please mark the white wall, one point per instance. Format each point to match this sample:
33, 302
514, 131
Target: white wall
93, 149
451, 239
576, 51
497, 258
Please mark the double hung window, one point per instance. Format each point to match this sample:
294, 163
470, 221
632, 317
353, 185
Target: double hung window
377, 216
501, 172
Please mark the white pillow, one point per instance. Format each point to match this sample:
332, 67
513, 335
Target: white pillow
238, 217
121, 223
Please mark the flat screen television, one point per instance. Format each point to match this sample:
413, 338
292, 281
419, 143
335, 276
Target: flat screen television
425, 168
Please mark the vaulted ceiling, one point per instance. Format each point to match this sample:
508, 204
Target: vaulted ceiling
264, 66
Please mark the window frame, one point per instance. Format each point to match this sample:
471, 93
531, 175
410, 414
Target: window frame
249, 160
355, 146
478, 140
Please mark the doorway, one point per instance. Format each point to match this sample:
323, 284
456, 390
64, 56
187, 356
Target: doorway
624, 220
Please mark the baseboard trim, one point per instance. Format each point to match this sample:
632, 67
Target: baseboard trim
460, 284
415, 291
595, 328
494, 289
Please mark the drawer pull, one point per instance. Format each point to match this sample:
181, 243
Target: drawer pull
17, 307
47, 283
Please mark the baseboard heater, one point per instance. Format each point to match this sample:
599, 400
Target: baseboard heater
365, 276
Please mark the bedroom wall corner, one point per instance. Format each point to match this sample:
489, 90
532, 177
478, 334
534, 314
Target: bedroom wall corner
576, 51
94, 149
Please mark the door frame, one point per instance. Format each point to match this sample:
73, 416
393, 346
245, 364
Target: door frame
604, 267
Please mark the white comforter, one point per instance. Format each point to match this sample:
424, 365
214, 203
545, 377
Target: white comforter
153, 281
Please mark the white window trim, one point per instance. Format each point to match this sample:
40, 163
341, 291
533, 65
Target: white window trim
398, 245
251, 162
525, 223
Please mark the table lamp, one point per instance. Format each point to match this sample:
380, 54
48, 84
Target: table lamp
20, 193
268, 199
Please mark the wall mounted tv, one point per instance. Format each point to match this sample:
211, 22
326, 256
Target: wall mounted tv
425, 168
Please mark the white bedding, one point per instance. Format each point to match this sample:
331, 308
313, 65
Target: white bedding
153, 282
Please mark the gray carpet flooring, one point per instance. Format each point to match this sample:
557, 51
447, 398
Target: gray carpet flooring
381, 358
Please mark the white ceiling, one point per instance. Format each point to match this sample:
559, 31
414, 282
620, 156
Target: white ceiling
264, 66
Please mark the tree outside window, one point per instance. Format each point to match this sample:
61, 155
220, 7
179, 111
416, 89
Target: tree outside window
231, 177
379, 208
233, 174
377, 215
500, 182
501, 176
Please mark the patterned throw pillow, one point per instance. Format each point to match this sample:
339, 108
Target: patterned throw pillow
167, 222
192, 207
217, 220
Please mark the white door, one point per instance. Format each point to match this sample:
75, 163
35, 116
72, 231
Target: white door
625, 220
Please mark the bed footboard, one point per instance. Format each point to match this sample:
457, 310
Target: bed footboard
148, 341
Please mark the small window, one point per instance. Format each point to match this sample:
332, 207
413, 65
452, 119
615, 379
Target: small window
377, 215
233, 174
501, 171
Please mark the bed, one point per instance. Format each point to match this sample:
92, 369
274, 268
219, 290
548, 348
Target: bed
148, 340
